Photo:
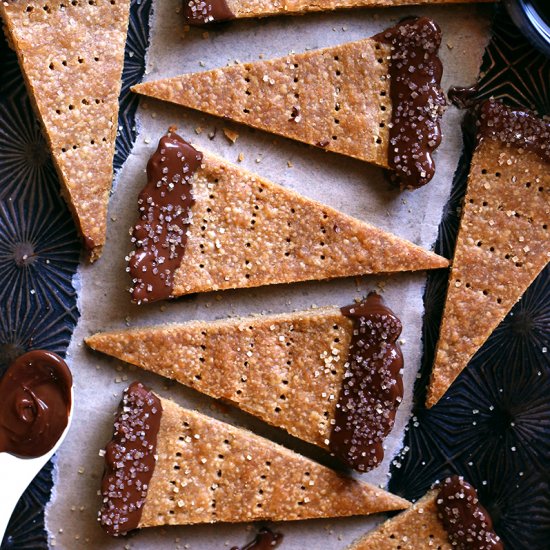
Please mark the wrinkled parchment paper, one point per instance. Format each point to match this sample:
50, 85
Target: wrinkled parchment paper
350, 186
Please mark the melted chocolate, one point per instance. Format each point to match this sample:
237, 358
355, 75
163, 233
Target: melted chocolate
35, 403
265, 540
372, 388
201, 12
464, 97
130, 460
515, 128
165, 214
418, 102
467, 522
89, 244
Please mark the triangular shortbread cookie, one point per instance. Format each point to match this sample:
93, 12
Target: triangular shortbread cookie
416, 528
297, 371
170, 465
449, 516
503, 241
208, 225
72, 55
377, 100
200, 12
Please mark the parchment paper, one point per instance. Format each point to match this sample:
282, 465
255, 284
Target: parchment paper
348, 185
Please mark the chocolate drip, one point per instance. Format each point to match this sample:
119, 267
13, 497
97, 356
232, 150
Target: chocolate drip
514, 128
35, 403
130, 460
464, 97
265, 540
89, 243
201, 12
418, 102
467, 522
372, 387
165, 214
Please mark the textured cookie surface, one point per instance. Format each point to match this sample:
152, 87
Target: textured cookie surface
249, 232
416, 528
336, 98
72, 55
260, 8
287, 369
503, 244
208, 471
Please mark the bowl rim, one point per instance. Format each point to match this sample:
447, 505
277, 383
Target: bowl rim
530, 23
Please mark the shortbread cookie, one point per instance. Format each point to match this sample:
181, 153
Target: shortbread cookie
329, 376
201, 12
206, 224
71, 55
503, 241
377, 100
449, 516
169, 465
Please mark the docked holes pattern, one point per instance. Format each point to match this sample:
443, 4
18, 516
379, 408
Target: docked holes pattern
242, 382
255, 208
72, 107
287, 344
337, 90
204, 224
383, 95
262, 485
296, 109
289, 245
396, 545
176, 489
322, 244
485, 291
518, 215
217, 481
247, 90
324, 422
202, 351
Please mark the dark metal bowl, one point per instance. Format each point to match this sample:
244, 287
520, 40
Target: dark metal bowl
533, 19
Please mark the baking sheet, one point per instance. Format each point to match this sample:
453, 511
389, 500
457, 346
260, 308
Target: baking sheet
350, 186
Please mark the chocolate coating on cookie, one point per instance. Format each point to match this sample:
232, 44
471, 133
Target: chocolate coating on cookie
35, 403
418, 102
514, 128
372, 388
165, 206
130, 460
467, 522
201, 12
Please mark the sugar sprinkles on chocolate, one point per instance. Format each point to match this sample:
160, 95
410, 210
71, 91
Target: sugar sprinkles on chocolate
372, 387
417, 98
201, 12
467, 522
130, 460
165, 215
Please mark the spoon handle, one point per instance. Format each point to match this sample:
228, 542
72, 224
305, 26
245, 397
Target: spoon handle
15, 476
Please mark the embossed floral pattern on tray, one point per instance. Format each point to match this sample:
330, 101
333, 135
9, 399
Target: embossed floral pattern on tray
39, 246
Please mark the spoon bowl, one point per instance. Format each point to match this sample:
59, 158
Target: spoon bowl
16, 473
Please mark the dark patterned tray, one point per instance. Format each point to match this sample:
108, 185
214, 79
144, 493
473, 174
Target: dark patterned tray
39, 247
493, 426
